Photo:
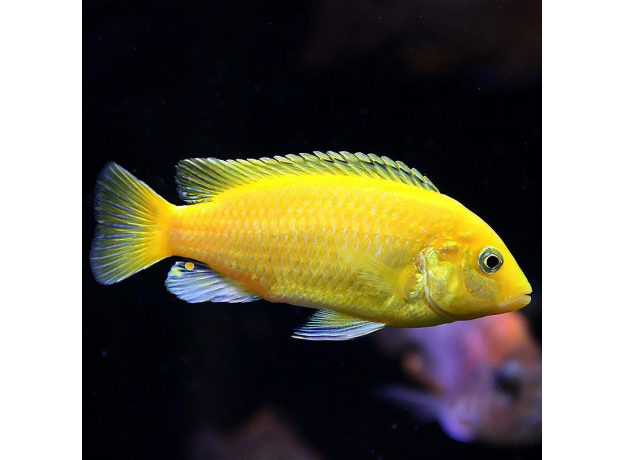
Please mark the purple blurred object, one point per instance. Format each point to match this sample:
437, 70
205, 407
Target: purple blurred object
480, 379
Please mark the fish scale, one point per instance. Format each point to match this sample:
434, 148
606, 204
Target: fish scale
329, 214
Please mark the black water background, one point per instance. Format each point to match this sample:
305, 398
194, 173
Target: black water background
164, 82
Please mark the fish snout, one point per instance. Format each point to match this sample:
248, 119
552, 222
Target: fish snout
517, 300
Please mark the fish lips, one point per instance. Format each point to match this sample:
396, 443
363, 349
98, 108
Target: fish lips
516, 301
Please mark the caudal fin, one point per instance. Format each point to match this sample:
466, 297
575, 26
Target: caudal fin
132, 224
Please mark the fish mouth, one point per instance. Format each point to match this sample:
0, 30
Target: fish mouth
516, 301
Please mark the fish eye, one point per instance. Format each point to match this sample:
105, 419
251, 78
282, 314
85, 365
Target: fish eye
490, 260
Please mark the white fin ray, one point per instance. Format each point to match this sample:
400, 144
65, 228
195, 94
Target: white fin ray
200, 179
329, 325
195, 283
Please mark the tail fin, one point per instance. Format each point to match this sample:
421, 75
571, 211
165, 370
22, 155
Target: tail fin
132, 221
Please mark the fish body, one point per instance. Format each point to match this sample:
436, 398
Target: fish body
367, 241
293, 240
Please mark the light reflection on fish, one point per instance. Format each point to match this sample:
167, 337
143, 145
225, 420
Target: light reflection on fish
481, 380
365, 240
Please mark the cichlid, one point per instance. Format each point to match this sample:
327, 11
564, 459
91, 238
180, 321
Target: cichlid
481, 379
365, 240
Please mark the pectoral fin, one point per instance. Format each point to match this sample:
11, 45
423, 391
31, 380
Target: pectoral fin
329, 325
375, 272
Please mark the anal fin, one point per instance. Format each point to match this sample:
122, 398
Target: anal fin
329, 325
195, 283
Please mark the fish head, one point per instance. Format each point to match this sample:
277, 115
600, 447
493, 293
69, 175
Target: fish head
498, 405
473, 275
496, 396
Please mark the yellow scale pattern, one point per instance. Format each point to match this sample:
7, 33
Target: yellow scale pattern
289, 239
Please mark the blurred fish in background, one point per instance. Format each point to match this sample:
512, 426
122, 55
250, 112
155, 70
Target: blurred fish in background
481, 380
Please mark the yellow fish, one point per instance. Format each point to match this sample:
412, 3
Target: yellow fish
365, 240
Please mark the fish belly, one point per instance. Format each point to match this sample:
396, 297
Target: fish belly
286, 239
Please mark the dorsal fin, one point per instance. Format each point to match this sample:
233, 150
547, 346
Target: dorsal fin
200, 179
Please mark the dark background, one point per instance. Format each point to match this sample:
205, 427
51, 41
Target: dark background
452, 88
